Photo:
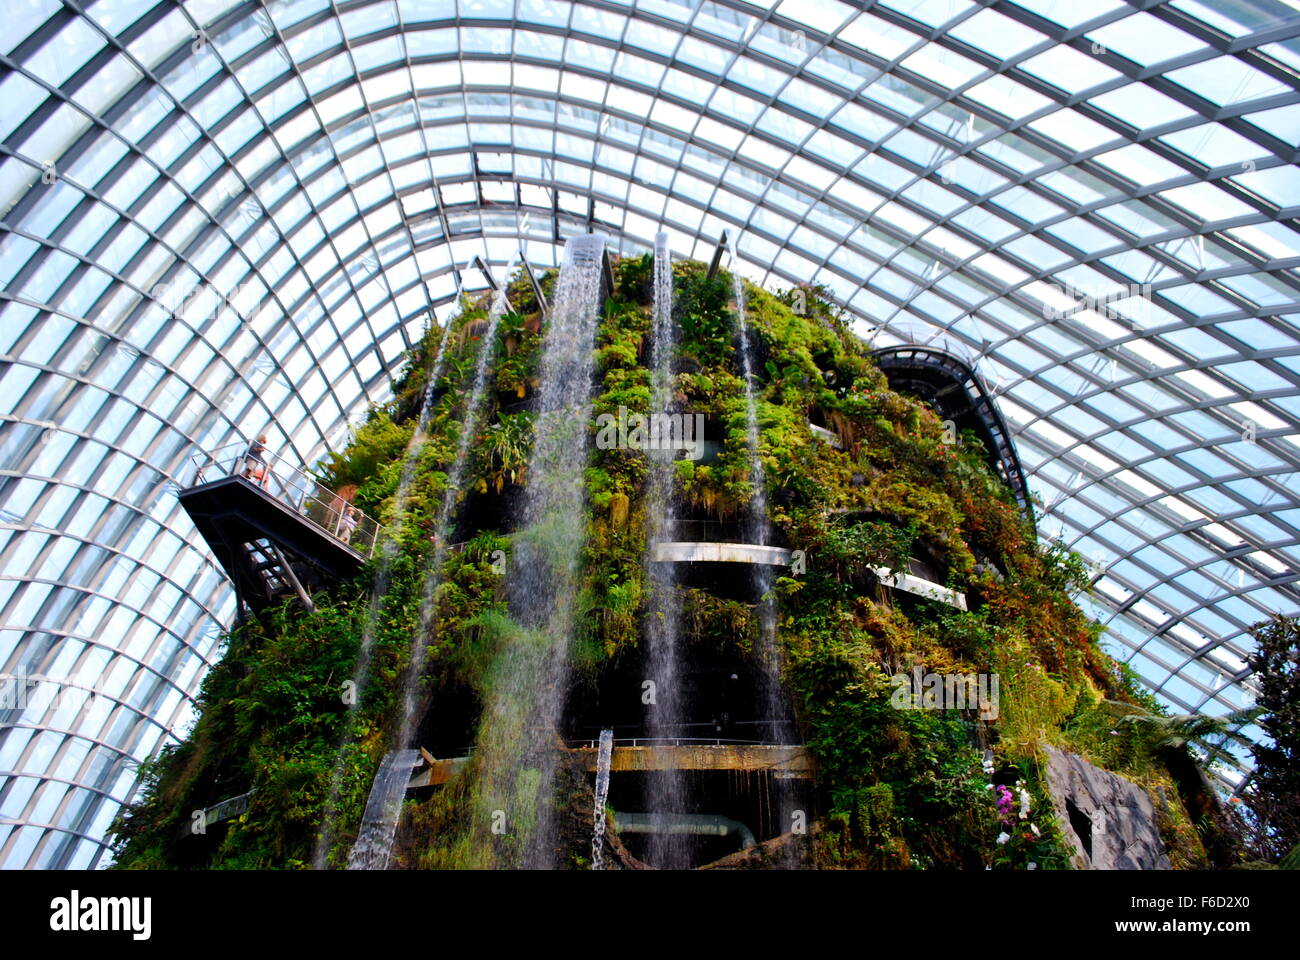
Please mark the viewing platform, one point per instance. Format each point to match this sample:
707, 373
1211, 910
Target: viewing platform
914, 581
920, 587
956, 392
275, 530
826, 436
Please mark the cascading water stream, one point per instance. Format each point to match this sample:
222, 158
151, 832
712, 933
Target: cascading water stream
604, 758
756, 521
516, 743
383, 809
663, 623
373, 842
778, 724
442, 527
378, 590
757, 531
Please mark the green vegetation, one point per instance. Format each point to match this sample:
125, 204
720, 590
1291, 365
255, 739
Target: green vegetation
897, 788
1272, 801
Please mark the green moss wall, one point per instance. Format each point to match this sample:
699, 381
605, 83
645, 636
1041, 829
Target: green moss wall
898, 788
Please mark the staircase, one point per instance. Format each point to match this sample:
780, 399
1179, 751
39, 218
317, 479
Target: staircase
273, 574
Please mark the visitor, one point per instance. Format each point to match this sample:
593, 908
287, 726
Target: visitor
255, 467
348, 523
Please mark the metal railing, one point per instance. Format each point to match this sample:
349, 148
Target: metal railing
707, 531
294, 488
718, 531
675, 742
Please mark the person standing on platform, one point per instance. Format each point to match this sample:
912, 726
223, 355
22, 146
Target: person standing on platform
351, 517
255, 467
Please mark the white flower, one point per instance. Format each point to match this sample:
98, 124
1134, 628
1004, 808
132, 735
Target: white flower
1032, 865
1034, 827
1024, 805
1003, 837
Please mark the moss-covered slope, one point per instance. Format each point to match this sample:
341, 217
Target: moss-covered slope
897, 788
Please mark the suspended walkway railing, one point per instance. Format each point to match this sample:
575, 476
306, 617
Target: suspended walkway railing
957, 393
788, 761
275, 529
293, 487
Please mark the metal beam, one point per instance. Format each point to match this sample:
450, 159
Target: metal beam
717, 255
537, 287
486, 271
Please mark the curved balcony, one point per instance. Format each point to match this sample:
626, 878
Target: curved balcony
685, 551
957, 393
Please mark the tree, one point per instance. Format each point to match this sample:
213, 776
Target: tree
1273, 796
1166, 738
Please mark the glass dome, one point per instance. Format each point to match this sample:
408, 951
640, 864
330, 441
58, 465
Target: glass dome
223, 218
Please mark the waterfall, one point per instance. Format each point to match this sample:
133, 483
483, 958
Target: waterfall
756, 521
378, 590
442, 527
373, 844
664, 713
604, 756
388, 551
663, 321
383, 810
516, 741
757, 531
778, 727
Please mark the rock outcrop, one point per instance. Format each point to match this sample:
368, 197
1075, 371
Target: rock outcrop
1110, 821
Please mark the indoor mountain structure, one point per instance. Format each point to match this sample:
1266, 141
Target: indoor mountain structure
650, 435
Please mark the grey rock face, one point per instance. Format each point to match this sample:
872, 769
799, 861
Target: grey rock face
1109, 820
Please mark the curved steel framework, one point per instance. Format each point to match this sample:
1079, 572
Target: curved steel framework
956, 392
1095, 197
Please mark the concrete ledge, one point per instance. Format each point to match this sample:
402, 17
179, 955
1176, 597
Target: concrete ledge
439, 772
921, 588
674, 552
829, 436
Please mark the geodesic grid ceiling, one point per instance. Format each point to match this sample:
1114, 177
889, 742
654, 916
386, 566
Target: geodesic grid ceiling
224, 217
